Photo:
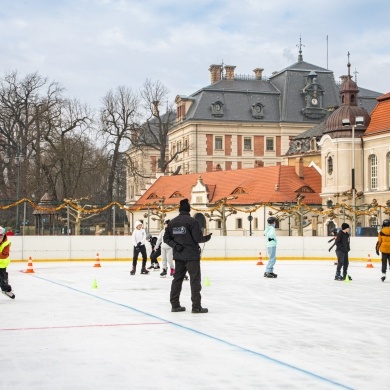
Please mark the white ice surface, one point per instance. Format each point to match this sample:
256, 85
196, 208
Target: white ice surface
302, 330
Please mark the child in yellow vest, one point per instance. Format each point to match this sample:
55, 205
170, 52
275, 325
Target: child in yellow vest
4, 262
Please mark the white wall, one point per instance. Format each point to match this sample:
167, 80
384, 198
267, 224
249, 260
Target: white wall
78, 248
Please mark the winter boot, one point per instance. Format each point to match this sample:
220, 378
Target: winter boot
144, 271
156, 265
163, 273
383, 278
200, 310
338, 276
132, 272
172, 271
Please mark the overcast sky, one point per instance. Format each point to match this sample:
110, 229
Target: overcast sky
92, 46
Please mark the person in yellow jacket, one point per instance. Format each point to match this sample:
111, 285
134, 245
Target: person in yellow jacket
4, 262
383, 246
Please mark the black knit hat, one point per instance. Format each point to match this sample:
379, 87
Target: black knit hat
344, 226
184, 205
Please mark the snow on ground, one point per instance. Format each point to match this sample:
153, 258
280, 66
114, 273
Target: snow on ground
302, 330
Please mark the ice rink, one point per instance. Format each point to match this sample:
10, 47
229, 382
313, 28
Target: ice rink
302, 330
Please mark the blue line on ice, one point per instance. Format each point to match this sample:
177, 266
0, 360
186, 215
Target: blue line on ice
259, 354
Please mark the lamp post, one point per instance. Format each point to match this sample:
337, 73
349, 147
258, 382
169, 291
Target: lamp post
19, 158
359, 121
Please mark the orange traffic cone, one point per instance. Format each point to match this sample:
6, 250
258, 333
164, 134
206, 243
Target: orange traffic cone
97, 261
29, 269
260, 262
369, 263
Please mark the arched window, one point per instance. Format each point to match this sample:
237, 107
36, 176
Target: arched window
330, 165
373, 171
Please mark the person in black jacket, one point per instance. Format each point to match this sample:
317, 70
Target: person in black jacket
342, 249
183, 234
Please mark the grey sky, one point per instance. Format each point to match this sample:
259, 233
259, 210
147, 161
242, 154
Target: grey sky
91, 46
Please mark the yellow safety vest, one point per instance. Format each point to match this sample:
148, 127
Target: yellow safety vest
4, 262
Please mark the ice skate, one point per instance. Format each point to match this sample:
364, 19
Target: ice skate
163, 273
349, 277
338, 277
270, 275
144, 271
383, 278
132, 272
9, 294
151, 266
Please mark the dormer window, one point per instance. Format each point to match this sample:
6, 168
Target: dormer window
257, 111
239, 190
176, 194
217, 108
153, 196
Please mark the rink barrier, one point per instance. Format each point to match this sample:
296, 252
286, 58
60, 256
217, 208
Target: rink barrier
219, 248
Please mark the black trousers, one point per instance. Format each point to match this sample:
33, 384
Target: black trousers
342, 262
4, 280
137, 251
155, 254
181, 268
385, 259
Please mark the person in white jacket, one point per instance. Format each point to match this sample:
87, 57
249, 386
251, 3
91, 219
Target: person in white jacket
166, 253
139, 241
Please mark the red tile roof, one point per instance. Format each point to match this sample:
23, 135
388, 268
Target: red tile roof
380, 117
262, 185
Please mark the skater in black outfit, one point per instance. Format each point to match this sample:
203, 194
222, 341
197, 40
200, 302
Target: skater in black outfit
334, 235
156, 252
342, 249
184, 234
383, 246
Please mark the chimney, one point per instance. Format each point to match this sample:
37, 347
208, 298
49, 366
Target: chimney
229, 72
299, 167
258, 73
215, 73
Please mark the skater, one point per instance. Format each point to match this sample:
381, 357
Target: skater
271, 242
5, 246
333, 232
139, 241
383, 246
156, 252
166, 253
183, 234
342, 249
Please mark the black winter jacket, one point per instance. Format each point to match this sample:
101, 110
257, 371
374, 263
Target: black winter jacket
184, 234
342, 242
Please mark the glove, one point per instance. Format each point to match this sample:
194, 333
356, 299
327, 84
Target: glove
139, 244
271, 239
208, 236
377, 252
178, 248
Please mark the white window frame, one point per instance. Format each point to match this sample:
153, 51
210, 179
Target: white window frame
250, 139
373, 172
266, 144
219, 137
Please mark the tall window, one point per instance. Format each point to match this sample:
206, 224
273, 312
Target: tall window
330, 165
388, 170
269, 144
374, 172
247, 143
218, 143
239, 223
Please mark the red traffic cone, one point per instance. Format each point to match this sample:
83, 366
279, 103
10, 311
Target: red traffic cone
260, 262
97, 261
30, 269
369, 263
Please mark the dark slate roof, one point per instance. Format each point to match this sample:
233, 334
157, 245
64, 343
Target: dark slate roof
281, 95
315, 131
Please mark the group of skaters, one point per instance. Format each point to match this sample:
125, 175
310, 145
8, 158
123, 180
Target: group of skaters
341, 239
180, 239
